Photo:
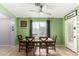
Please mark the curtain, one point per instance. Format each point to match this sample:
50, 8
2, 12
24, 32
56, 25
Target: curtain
30, 28
48, 27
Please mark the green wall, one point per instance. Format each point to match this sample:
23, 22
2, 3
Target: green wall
23, 30
56, 27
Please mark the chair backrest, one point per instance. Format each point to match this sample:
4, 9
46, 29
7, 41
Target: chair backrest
30, 38
20, 37
43, 38
55, 37
30, 41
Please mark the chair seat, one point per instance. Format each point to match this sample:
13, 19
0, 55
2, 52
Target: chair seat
43, 44
50, 44
30, 46
22, 44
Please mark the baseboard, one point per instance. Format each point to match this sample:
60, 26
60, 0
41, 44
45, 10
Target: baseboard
60, 45
7, 46
78, 53
16, 45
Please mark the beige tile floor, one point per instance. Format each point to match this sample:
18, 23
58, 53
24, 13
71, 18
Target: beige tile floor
13, 51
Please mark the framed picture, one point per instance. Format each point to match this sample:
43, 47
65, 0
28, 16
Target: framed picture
23, 23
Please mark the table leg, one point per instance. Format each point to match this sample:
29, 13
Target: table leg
34, 49
26, 49
46, 50
39, 49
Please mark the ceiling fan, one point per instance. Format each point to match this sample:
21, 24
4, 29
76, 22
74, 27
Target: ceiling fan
41, 9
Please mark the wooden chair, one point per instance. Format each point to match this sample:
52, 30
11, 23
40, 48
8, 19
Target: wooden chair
30, 44
52, 44
43, 43
43, 40
22, 43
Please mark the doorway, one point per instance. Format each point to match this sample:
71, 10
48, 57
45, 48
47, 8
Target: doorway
6, 33
71, 34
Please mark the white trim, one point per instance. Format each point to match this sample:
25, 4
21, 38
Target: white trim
61, 45
78, 53
7, 46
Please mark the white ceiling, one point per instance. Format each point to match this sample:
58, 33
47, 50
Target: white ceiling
56, 9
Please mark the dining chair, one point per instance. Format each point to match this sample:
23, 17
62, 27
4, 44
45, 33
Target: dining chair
43, 43
30, 44
22, 43
52, 44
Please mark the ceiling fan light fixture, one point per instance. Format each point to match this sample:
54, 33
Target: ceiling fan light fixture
41, 13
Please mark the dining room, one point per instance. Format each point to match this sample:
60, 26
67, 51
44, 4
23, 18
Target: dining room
39, 29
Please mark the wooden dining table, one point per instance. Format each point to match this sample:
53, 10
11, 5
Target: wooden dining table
35, 41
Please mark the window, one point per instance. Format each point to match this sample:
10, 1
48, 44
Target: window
39, 28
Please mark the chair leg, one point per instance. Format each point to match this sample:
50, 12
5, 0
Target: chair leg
47, 50
33, 51
39, 51
54, 48
26, 51
19, 48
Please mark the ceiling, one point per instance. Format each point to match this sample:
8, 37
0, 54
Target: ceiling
57, 10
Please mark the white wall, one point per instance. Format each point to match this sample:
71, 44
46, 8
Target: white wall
13, 31
6, 33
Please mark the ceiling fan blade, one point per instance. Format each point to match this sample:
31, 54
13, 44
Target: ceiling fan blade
33, 11
47, 13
